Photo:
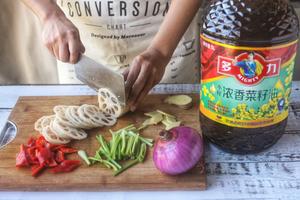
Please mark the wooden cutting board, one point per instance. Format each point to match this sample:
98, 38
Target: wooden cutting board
141, 177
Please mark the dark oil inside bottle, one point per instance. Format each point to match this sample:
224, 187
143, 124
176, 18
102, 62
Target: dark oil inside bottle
259, 23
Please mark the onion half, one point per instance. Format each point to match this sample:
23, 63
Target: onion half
178, 150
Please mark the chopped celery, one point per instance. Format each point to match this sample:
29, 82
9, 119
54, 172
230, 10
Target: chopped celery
126, 145
126, 166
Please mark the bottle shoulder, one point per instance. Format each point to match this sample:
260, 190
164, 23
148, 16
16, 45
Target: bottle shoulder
251, 22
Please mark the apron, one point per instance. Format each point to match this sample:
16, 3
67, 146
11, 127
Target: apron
114, 32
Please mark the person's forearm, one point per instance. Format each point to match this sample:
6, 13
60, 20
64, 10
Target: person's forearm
44, 8
176, 22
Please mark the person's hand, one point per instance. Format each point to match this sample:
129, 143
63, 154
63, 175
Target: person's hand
146, 70
62, 39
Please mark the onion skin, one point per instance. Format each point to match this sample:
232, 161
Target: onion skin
178, 150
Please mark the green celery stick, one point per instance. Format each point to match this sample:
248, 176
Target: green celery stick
142, 153
116, 145
95, 159
123, 146
103, 143
126, 166
141, 138
129, 145
125, 128
110, 159
137, 149
136, 139
118, 166
126, 143
110, 165
111, 142
118, 150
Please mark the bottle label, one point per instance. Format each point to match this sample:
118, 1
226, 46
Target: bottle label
246, 87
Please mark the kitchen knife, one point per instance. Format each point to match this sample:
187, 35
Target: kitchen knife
96, 76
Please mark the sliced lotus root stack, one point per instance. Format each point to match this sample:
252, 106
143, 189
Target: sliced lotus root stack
47, 120
38, 124
109, 103
43, 122
60, 108
48, 133
60, 113
94, 114
67, 132
89, 118
52, 137
73, 116
58, 132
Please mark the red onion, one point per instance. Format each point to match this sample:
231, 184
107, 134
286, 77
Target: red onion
177, 150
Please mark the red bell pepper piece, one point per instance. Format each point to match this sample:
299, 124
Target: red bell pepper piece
66, 166
31, 142
36, 170
31, 156
40, 141
59, 156
57, 147
51, 163
40, 154
21, 159
67, 150
43, 155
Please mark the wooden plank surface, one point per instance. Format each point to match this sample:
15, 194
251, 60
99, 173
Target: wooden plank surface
142, 177
10, 93
270, 175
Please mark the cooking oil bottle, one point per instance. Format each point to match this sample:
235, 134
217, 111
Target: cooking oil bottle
248, 51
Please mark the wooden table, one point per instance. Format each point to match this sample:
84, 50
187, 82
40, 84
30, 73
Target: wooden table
272, 174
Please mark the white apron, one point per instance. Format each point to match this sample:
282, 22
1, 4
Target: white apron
114, 32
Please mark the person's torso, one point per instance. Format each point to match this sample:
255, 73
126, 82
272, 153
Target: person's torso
114, 32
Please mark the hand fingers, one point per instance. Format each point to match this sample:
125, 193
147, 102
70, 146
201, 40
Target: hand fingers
48, 43
74, 51
139, 83
75, 46
55, 49
64, 53
49, 47
125, 73
82, 48
133, 74
148, 86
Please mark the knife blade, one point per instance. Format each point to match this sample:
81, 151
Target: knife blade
96, 76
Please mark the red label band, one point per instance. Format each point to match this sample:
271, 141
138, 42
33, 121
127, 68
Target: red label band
246, 87
248, 68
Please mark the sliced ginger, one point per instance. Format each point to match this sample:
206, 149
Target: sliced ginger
182, 101
159, 116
